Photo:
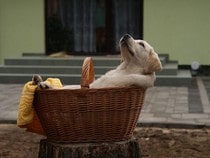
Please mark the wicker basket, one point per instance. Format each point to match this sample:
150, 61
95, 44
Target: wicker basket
89, 115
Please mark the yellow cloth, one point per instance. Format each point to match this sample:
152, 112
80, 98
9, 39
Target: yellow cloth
26, 113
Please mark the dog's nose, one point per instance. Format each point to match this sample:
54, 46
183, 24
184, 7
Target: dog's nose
126, 36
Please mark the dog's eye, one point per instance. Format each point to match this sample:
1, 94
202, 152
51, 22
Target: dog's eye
141, 44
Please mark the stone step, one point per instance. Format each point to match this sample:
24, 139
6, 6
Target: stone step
168, 69
183, 78
17, 78
70, 61
164, 57
21, 70
113, 60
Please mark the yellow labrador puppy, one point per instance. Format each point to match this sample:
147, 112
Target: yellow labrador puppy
138, 67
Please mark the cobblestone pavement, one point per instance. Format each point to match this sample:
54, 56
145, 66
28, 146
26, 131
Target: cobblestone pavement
177, 106
9, 101
163, 106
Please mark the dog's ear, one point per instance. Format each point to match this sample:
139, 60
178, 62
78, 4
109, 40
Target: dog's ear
152, 64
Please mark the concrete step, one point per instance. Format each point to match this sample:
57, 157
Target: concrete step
183, 78
164, 58
40, 69
113, 60
70, 61
51, 69
168, 69
23, 78
21, 70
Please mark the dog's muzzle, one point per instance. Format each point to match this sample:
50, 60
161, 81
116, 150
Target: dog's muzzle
125, 38
124, 43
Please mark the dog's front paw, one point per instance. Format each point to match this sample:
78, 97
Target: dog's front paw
44, 85
37, 80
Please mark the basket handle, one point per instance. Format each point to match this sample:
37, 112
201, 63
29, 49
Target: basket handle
88, 74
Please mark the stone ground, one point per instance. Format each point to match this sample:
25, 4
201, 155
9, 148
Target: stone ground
169, 106
182, 112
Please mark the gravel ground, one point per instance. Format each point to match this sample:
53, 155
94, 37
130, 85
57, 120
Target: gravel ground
154, 142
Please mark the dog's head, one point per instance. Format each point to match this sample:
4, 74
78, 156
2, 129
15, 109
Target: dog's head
140, 53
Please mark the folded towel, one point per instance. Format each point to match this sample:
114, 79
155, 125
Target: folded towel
27, 117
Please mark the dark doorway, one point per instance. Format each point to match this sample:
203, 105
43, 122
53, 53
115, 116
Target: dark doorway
83, 27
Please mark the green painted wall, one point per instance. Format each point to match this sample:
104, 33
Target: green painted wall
21, 27
180, 28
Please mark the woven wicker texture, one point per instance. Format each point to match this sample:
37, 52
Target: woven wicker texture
89, 115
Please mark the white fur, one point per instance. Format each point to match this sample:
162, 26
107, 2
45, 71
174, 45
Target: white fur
138, 67
139, 63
